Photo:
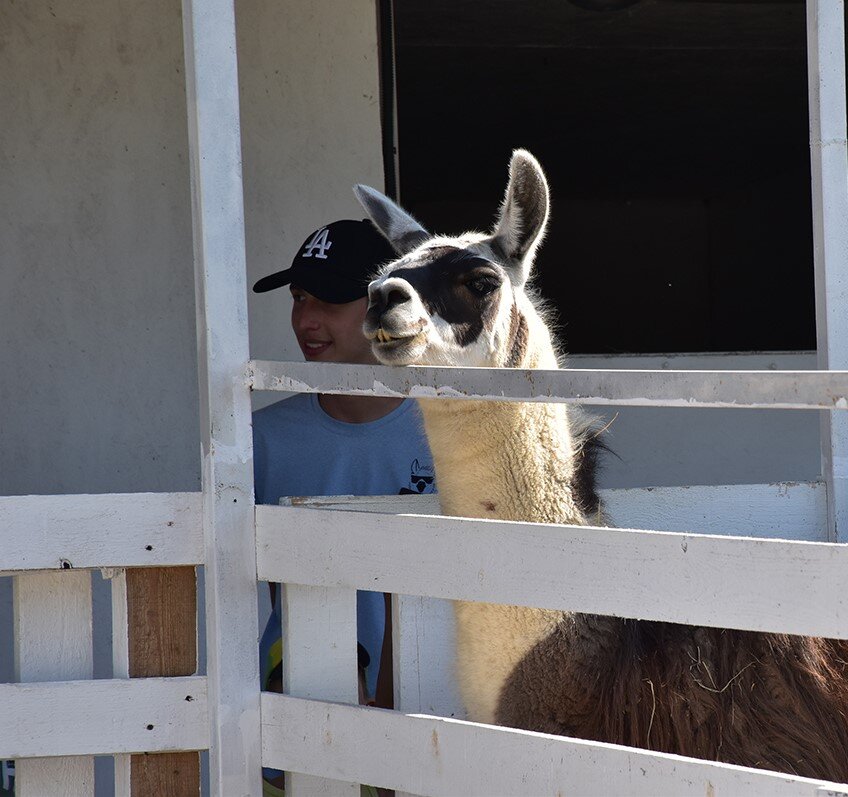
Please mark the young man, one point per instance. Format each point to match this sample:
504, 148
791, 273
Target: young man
336, 445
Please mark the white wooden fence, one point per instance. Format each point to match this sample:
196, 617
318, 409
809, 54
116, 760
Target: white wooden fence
57, 717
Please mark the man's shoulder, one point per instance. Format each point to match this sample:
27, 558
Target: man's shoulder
293, 409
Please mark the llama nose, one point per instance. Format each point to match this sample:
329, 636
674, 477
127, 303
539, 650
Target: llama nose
385, 296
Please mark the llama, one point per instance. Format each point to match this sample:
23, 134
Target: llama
764, 700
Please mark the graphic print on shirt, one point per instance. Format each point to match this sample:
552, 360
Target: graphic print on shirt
421, 479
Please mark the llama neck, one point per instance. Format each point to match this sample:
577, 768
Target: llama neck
510, 461
507, 460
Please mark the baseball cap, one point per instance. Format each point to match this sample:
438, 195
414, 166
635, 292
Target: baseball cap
335, 263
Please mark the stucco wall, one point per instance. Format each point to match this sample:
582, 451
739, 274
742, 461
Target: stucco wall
96, 291
97, 301
311, 129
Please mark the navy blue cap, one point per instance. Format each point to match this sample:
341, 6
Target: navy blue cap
335, 263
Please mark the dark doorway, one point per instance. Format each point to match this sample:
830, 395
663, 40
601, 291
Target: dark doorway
675, 138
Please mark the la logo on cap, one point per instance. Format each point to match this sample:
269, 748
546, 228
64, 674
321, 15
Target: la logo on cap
320, 242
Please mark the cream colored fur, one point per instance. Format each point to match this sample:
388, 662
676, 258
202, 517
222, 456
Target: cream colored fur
512, 461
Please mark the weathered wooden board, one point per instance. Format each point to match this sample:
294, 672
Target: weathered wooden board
162, 641
423, 639
784, 510
53, 641
217, 192
755, 584
120, 667
829, 172
162, 624
75, 531
753, 389
74, 718
787, 510
319, 661
445, 757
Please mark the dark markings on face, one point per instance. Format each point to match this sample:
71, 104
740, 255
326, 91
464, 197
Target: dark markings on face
518, 338
458, 286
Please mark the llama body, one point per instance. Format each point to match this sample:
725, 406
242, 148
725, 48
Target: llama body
762, 700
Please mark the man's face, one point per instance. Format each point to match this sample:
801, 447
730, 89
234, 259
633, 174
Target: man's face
330, 333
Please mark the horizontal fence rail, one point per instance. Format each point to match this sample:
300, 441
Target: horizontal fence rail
46, 532
799, 390
133, 715
783, 510
445, 757
725, 582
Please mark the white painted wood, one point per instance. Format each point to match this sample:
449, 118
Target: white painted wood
416, 626
134, 529
829, 168
785, 510
445, 758
319, 662
82, 718
423, 628
423, 646
682, 578
212, 97
120, 666
737, 389
53, 642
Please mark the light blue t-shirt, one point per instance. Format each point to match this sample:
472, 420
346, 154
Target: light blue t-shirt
299, 450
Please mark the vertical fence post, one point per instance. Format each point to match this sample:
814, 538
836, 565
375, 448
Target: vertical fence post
319, 662
120, 665
826, 77
212, 98
162, 641
154, 633
54, 643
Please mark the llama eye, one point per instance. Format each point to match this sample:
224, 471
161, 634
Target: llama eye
482, 285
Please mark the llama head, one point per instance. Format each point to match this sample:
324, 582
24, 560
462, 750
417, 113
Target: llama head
458, 301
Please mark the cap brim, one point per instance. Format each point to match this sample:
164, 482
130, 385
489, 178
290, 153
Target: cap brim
273, 281
339, 291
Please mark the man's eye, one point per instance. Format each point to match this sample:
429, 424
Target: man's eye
482, 285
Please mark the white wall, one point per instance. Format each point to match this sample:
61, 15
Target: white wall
311, 129
96, 295
679, 446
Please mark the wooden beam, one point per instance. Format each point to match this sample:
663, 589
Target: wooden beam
829, 168
54, 642
798, 390
232, 614
162, 640
319, 661
62, 532
695, 579
445, 757
102, 717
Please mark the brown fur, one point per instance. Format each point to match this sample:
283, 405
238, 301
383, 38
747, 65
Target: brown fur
519, 335
762, 700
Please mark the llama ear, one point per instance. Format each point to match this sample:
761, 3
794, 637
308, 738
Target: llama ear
402, 231
523, 216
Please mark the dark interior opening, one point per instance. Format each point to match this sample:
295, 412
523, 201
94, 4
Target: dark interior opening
675, 137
